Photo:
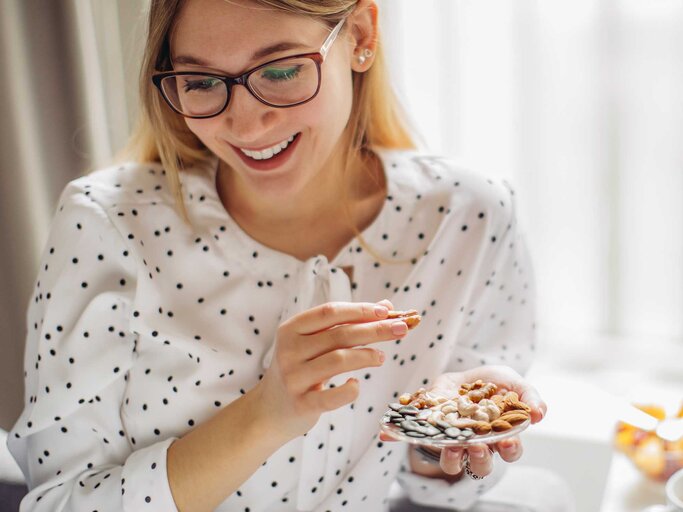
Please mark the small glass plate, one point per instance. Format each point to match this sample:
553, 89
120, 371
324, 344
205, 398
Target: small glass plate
395, 431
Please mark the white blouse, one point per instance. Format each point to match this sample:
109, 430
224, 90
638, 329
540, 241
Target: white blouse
141, 327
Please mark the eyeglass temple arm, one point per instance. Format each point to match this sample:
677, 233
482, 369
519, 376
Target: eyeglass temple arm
330, 39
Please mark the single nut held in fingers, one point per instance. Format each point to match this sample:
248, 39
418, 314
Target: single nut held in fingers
410, 317
412, 321
402, 314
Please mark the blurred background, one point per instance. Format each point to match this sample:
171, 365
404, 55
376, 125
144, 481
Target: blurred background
579, 105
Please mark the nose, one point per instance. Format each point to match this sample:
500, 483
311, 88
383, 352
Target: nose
246, 117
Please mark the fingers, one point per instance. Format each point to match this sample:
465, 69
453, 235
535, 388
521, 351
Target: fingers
330, 314
333, 363
385, 437
530, 396
353, 335
333, 398
510, 449
481, 459
386, 303
452, 460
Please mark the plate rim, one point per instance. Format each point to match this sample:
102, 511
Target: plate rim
393, 430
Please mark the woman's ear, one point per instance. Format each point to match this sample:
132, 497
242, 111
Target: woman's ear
363, 30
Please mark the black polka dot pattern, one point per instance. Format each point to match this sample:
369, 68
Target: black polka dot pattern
143, 327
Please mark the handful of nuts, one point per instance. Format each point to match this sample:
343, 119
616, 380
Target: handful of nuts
477, 409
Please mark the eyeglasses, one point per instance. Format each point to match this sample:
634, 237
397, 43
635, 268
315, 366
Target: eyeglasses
284, 82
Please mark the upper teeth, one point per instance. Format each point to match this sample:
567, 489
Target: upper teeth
268, 153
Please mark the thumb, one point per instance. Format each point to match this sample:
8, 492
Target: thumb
387, 304
532, 398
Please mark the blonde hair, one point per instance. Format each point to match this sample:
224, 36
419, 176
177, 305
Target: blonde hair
161, 135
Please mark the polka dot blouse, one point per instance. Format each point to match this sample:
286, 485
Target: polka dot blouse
142, 326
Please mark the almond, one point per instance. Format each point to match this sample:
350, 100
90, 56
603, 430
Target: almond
514, 417
521, 406
500, 425
511, 396
402, 314
482, 427
412, 321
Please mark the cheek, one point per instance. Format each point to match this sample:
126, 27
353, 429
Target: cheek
340, 89
332, 105
202, 129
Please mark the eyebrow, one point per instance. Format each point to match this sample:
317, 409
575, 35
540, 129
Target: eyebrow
258, 54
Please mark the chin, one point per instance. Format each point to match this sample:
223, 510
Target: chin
285, 182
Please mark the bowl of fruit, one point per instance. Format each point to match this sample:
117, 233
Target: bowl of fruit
656, 457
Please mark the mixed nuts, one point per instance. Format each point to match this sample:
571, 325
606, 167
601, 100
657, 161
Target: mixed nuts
477, 410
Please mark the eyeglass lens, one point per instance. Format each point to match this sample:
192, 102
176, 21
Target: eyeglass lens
281, 83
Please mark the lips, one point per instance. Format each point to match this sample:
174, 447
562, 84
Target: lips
269, 151
271, 163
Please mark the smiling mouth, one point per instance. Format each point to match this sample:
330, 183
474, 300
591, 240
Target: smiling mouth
268, 153
269, 159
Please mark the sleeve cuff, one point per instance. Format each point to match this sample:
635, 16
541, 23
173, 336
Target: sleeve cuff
144, 483
435, 492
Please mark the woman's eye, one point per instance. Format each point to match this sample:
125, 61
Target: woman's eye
279, 74
200, 85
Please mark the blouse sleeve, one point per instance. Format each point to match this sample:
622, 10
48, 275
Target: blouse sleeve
499, 328
70, 441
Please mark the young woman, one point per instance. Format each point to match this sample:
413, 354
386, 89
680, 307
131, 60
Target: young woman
209, 325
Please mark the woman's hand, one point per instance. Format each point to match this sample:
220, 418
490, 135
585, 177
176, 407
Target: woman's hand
314, 346
480, 456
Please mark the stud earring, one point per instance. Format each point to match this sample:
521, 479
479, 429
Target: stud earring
365, 55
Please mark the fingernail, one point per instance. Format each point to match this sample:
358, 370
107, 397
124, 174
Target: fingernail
381, 311
477, 453
399, 328
540, 410
381, 356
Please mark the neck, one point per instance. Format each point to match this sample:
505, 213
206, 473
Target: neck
321, 201
319, 219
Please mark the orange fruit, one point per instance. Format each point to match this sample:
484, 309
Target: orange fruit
649, 457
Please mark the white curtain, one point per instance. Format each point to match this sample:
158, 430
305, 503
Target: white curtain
580, 106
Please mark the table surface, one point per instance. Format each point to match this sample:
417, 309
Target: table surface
628, 490
628, 369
